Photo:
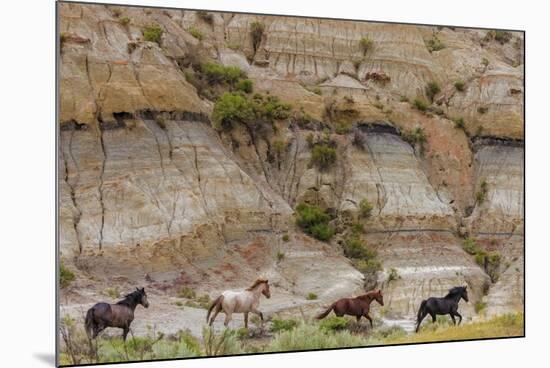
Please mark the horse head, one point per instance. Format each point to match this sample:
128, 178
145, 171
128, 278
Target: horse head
465, 294
143, 297
379, 297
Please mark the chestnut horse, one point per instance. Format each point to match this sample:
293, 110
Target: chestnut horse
244, 301
121, 314
358, 306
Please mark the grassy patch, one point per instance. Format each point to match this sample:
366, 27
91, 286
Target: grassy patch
195, 32
153, 33
432, 89
501, 326
311, 296
309, 337
124, 21
434, 44
416, 137
280, 325
286, 238
420, 105
187, 292
66, 276
333, 323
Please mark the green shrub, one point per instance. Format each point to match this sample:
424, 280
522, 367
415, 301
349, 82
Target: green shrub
393, 275
434, 44
309, 337
480, 306
187, 292
195, 32
357, 228
470, 246
481, 194
416, 137
124, 21
420, 104
270, 108
485, 62
354, 247
286, 238
245, 85
366, 44
280, 256
311, 296
232, 107
66, 276
224, 343
459, 85
333, 323
112, 292
218, 73
403, 99
280, 325
432, 89
314, 221
367, 267
322, 232
153, 33
365, 208
500, 36
323, 156
256, 32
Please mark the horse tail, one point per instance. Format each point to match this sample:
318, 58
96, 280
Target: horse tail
325, 313
89, 322
420, 310
214, 303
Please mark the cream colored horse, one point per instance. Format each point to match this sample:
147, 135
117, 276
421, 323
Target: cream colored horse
245, 301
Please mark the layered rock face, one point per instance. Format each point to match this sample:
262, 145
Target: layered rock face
151, 193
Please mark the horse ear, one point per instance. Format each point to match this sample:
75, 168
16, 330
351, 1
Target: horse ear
137, 289
142, 289
465, 287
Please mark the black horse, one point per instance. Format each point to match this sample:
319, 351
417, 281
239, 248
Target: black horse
445, 305
121, 314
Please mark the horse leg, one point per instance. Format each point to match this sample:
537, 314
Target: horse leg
433, 317
453, 318
459, 316
256, 311
422, 316
358, 318
227, 319
216, 311
370, 319
246, 320
125, 333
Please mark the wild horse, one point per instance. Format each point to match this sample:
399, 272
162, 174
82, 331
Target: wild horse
121, 314
358, 307
244, 301
445, 305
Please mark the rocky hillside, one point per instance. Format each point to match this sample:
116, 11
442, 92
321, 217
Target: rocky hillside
422, 125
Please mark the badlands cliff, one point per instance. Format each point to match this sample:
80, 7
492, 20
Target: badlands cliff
152, 194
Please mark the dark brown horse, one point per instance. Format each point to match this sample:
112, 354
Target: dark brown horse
120, 315
358, 306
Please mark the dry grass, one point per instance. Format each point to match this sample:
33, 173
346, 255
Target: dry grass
507, 325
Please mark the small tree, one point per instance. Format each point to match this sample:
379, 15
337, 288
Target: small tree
432, 89
323, 156
365, 208
366, 45
256, 32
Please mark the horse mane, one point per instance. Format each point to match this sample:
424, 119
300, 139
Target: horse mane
368, 294
454, 291
256, 283
130, 299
